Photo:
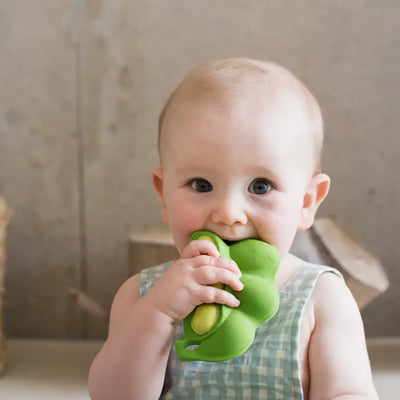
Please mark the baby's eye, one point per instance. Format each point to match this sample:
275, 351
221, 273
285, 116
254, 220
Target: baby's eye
201, 185
260, 186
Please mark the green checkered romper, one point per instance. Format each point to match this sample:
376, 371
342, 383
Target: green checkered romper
269, 369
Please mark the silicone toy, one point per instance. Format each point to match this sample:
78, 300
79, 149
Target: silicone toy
215, 332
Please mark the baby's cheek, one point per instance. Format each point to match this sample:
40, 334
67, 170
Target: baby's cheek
277, 231
267, 228
182, 225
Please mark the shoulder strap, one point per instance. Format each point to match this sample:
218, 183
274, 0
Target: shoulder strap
149, 276
306, 277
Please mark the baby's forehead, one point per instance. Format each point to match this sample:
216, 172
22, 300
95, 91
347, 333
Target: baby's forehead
200, 143
249, 126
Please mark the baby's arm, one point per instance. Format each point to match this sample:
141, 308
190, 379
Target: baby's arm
133, 360
338, 358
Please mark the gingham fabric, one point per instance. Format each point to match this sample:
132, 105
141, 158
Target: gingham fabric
269, 369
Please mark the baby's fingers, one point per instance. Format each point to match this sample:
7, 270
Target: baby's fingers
218, 262
212, 294
198, 247
210, 275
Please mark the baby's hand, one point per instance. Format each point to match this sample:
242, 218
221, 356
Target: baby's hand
187, 283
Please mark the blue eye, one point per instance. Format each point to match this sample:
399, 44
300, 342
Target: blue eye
260, 186
201, 185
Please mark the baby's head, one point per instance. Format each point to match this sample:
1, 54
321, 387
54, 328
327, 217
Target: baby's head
240, 143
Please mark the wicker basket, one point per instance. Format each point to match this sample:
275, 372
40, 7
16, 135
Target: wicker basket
5, 214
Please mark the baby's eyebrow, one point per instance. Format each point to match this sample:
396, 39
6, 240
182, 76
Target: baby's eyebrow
190, 170
264, 172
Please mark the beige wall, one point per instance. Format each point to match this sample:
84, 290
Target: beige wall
82, 83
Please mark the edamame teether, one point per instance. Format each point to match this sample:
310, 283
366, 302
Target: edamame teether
215, 332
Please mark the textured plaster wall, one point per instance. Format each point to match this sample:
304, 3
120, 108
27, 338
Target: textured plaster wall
82, 83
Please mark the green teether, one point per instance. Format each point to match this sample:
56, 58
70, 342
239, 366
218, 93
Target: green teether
215, 332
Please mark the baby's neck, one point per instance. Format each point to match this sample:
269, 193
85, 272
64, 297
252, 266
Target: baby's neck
289, 265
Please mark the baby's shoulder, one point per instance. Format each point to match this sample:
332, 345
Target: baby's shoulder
330, 284
138, 285
129, 291
127, 295
332, 299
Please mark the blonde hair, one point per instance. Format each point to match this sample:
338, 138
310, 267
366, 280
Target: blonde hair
232, 77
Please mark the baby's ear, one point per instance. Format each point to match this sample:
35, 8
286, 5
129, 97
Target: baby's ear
316, 192
158, 183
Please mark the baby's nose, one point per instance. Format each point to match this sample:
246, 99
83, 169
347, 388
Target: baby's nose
229, 210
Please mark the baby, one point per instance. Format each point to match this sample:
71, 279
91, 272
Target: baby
240, 143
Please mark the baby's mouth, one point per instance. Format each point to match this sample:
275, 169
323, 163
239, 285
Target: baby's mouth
230, 242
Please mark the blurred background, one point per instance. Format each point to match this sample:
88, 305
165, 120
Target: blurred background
82, 83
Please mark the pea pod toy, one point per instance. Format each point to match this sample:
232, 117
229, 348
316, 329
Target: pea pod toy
216, 332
